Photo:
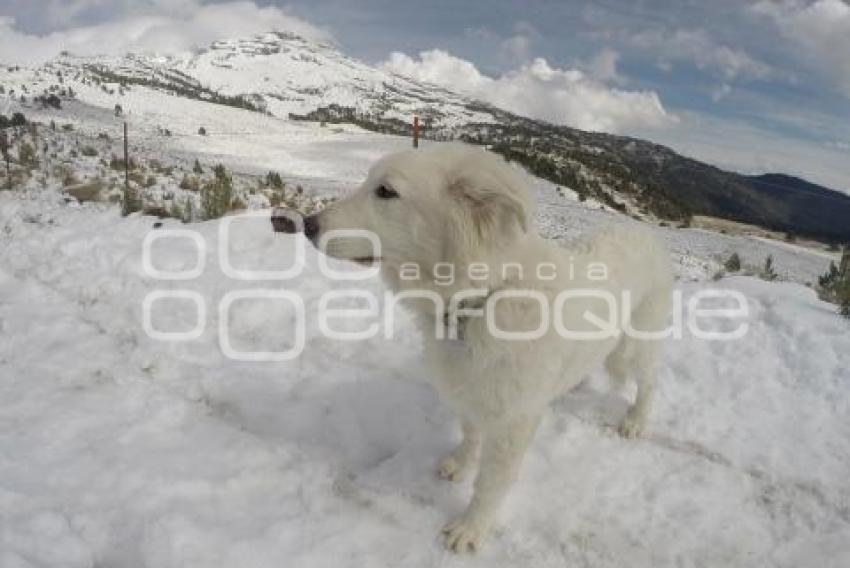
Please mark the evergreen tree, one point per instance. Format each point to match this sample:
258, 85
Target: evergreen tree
834, 285
217, 194
4, 150
274, 180
131, 202
768, 272
26, 155
733, 263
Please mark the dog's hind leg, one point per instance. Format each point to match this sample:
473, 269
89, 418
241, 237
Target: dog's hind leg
644, 369
458, 464
640, 356
619, 361
502, 451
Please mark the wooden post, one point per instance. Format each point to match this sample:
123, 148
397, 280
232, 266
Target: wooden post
844, 267
126, 165
45, 150
415, 131
33, 130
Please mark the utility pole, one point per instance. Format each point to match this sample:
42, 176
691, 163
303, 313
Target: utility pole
128, 206
126, 164
45, 150
415, 131
37, 150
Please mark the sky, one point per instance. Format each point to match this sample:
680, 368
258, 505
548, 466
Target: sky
750, 86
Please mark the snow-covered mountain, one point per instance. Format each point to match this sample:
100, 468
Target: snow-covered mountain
288, 77
279, 73
117, 449
120, 450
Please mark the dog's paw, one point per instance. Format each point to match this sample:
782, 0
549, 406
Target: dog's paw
464, 535
632, 426
454, 469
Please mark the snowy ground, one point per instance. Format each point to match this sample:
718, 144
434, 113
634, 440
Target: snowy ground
119, 450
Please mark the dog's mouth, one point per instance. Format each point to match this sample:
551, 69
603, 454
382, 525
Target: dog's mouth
366, 260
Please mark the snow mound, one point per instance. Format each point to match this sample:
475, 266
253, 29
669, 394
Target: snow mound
120, 450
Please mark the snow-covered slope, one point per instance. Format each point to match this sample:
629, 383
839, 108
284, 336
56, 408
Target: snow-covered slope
119, 450
295, 75
276, 72
285, 76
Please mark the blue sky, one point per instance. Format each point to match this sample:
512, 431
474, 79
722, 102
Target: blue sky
752, 86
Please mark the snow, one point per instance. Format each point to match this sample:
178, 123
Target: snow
120, 450
117, 449
284, 73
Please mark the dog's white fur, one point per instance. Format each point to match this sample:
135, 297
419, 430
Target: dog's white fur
463, 205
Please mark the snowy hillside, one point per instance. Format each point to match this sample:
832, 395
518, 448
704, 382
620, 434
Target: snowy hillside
119, 450
239, 90
277, 72
295, 75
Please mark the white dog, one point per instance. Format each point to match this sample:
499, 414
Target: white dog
526, 319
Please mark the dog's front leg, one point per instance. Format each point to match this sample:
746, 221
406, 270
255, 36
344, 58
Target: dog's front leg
501, 456
457, 465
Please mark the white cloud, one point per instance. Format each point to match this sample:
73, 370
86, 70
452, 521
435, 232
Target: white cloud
149, 26
513, 49
603, 67
821, 29
698, 48
537, 90
721, 92
517, 47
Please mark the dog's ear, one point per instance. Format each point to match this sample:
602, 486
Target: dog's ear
495, 209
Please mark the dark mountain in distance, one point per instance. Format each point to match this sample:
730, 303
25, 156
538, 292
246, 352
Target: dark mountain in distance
808, 207
633, 175
288, 76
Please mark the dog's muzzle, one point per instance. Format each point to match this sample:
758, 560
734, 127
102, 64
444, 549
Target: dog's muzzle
284, 221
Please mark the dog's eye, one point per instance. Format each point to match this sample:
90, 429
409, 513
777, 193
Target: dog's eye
385, 192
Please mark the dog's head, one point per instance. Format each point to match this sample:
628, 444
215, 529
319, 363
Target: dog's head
444, 203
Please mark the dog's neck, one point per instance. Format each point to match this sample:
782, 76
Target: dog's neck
476, 276
446, 277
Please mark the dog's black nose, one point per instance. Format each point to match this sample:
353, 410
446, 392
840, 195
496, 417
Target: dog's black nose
282, 221
311, 226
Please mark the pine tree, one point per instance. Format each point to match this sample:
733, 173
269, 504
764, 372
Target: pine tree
274, 180
834, 284
733, 263
827, 280
131, 202
189, 210
768, 272
26, 155
842, 284
844, 298
4, 150
217, 194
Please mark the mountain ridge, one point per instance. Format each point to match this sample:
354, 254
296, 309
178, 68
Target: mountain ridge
286, 75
